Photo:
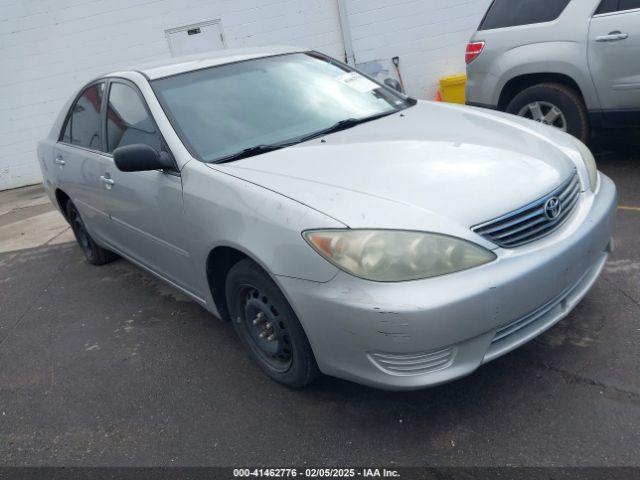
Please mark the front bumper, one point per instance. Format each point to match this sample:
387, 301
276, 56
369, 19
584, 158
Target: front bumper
410, 335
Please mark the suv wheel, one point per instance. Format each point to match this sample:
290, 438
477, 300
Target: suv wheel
553, 104
268, 327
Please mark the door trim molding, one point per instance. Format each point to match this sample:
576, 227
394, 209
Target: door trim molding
147, 235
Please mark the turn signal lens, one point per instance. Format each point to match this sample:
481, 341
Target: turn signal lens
590, 163
473, 50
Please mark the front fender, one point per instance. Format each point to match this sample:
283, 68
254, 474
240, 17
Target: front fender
223, 210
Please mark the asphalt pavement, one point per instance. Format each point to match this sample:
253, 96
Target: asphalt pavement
109, 366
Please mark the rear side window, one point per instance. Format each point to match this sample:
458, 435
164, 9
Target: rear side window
83, 126
512, 13
128, 120
608, 6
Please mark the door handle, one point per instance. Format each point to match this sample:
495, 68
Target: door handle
612, 37
108, 182
59, 161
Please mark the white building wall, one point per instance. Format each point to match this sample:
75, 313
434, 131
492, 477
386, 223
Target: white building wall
429, 36
48, 48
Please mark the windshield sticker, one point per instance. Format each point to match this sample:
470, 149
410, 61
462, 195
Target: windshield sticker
358, 82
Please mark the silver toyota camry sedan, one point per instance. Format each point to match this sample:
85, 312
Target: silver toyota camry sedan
341, 226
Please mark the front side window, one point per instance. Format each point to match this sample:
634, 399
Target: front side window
221, 111
128, 121
83, 127
513, 13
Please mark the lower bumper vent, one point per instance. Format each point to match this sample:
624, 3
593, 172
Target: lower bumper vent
413, 363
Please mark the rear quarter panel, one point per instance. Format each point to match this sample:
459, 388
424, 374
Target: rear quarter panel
46, 155
46, 152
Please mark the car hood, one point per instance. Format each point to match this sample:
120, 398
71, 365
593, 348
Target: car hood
433, 166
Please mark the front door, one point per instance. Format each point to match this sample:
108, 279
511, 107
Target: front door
614, 60
146, 208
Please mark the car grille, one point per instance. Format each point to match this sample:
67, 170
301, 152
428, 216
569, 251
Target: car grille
533, 221
413, 364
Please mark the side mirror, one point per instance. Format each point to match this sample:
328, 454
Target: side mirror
141, 158
393, 83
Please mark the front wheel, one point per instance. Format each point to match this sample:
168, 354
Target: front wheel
268, 327
555, 105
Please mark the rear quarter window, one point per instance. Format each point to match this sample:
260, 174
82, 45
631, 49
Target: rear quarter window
513, 13
84, 125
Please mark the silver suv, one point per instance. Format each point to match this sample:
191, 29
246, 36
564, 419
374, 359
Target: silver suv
574, 64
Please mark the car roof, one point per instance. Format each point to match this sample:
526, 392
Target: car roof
176, 65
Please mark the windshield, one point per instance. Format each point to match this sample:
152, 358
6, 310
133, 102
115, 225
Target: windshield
222, 111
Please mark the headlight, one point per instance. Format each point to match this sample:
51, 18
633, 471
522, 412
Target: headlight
590, 163
396, 256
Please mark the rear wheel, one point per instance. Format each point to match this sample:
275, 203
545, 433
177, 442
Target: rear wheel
95, 254
268, 327
553, 104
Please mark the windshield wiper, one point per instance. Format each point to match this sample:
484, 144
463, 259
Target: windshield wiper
253, 151
344, 125
336, 127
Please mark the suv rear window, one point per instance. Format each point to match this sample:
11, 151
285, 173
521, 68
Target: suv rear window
511, 13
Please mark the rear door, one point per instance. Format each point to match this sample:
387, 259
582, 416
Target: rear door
614, 60
80, 160
145, 207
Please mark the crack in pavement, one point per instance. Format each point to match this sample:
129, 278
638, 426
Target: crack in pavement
48, 242
609, 391
623, 292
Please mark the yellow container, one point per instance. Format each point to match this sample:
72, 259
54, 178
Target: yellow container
452, 88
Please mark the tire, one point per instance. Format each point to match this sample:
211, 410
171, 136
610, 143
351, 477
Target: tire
95, 254
258, 307
554, 95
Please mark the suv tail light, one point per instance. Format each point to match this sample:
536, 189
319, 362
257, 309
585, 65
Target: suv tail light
473, 50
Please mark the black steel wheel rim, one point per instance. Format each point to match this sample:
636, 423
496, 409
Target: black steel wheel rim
266, 330
80, 232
